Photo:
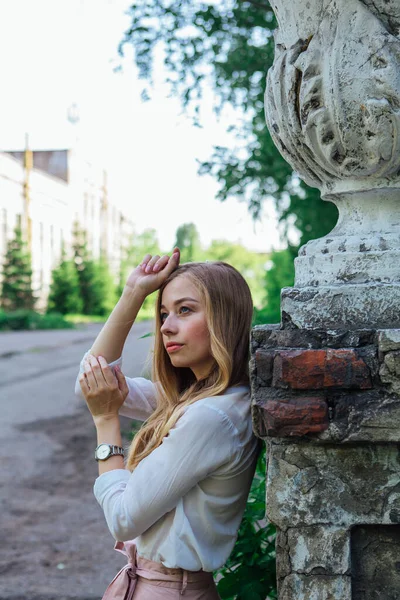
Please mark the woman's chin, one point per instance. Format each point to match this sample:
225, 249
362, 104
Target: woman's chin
178, 362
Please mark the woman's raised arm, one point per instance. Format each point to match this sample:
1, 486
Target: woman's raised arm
143, 280
111, 339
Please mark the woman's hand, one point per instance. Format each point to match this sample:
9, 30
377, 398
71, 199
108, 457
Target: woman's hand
152, 272
104, 392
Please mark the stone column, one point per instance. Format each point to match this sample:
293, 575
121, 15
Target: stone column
326, 382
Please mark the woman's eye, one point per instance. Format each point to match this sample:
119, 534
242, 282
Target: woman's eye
183, 309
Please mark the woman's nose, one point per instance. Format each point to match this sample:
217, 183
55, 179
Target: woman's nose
169, 325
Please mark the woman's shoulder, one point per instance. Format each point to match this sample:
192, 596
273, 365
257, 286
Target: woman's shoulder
233, 405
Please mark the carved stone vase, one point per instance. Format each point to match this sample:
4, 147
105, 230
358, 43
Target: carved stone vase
333, 110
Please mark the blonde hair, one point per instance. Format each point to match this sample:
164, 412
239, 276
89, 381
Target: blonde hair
228, 309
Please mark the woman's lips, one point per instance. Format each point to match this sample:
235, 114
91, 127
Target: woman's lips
174, 348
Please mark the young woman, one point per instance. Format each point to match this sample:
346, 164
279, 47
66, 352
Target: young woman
176, 507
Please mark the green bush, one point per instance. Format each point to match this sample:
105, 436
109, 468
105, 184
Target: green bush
250, 573
19, 320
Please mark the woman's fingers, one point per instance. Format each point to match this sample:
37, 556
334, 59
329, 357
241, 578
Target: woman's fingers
90, 377
172, 263
151, 263
145, 261
106, 371
84, 384
123, 386
160, 264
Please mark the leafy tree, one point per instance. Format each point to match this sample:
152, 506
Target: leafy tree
64, 296
188, 240
231, 45
17, 275
250, 264
141, 244
280, 273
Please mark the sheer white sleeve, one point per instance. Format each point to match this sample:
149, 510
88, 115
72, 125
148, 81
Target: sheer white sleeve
142, 397
201, 443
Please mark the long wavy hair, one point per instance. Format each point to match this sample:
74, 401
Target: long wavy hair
228, 309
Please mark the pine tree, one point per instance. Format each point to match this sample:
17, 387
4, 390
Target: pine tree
96, 283
104, 289
17, 275
64, 296
86, 269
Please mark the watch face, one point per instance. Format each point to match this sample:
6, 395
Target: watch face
103, 451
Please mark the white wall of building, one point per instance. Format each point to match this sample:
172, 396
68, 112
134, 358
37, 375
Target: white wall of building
53, 207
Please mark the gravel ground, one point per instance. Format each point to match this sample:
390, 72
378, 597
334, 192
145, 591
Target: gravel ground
65, 550
55, 544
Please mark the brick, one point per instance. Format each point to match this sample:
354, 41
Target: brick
319, 369
264, 365
295, 417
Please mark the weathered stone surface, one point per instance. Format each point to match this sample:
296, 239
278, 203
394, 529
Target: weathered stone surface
347, 306
364, 417
317, 587
319, 550
270, 337
260, 335
375, 562
264, 364
265, 337
389, 339
296, 416
390, 371
283, 566
340, 491
319, 369
343, 139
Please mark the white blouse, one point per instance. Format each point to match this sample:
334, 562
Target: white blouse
184, 502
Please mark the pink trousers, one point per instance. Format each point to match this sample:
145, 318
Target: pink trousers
143, 579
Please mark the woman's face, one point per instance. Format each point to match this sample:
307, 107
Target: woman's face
184, 329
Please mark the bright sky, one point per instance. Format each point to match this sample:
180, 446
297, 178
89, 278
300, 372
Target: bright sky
59, 52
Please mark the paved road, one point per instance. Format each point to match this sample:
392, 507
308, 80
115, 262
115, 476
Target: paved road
54, 541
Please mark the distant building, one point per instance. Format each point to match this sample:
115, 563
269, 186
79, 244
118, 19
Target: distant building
49, 190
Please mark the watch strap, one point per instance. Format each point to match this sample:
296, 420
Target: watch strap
114, 451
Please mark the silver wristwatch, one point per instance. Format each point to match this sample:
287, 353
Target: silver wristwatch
104, 451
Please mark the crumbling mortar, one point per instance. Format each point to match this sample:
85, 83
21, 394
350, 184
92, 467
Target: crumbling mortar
322, 571
310, 575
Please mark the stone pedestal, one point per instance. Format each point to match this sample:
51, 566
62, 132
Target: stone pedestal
327, 404
326, 381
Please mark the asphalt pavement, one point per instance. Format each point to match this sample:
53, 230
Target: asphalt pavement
55, 544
